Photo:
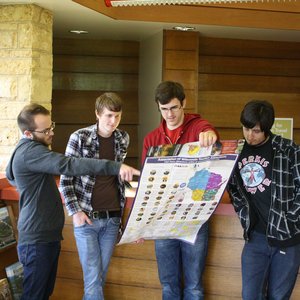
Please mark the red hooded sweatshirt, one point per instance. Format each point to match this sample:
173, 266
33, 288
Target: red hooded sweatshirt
192, 125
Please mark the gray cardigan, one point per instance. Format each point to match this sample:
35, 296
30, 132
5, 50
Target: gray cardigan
31, 169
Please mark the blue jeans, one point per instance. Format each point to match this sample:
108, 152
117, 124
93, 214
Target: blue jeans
268, 272
95, 244
40, 262
177, 261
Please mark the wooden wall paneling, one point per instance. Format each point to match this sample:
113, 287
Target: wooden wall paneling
95, 81
180, 40
67, 289
296, 291
190, 100
230, 133
229, 82
125, 292
222, 281
136, 251
95, 47
68, 244
229, 257
95, 64
225, 227
186, 77
180, 62
68, 106
248, 48
133, 272
69, 265
286, 105
249, 66
220, 297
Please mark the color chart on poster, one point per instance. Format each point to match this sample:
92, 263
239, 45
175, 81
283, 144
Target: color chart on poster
178, 193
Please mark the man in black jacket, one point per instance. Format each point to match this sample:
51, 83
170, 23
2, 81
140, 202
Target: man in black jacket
41, 217
265, 192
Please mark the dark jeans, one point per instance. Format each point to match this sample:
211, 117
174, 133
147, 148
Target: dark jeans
40, 266
268, 272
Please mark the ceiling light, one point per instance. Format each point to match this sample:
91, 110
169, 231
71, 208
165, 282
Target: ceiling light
184, 28
79, 31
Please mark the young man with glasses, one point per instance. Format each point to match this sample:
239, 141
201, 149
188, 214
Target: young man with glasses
178, 260
265, 192
41, 217
96, 202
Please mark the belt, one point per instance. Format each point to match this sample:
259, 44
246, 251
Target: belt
106, 214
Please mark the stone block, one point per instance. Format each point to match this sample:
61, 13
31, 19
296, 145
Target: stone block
42, 38
19, 12
5, 53
41, 89
46, 61
25, 35
8, 40
9, 135
8, 26
8, 87
24, 88
46, 18
23, 53
9, 112
15, 66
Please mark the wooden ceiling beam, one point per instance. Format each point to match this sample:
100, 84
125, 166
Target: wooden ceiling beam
267, 15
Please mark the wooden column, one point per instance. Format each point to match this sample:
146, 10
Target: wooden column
180, 63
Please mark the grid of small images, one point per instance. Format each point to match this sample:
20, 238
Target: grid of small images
176, 195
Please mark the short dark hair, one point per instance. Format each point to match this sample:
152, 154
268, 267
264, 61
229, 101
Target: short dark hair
111, 101
168, 90
258, 112
26, 116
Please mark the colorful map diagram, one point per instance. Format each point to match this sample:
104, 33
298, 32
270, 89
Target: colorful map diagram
179, 191
205, 185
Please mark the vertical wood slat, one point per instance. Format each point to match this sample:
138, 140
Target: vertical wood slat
180, 62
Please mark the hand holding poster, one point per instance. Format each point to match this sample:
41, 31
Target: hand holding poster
178, 193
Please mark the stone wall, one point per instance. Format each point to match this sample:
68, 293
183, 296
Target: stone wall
25, 67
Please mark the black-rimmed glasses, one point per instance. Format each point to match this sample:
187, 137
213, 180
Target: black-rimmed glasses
45, 131
172, 109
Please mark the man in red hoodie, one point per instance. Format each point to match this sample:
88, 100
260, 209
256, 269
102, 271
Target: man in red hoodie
177, 260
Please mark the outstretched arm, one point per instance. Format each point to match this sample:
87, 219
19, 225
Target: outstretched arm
207, 138
126, 172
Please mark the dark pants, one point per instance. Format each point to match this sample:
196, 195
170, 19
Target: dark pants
268, 272
40, 266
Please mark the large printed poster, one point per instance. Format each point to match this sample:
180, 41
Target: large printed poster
178, 193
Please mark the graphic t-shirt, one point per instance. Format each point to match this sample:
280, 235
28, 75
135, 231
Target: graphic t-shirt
255, 168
